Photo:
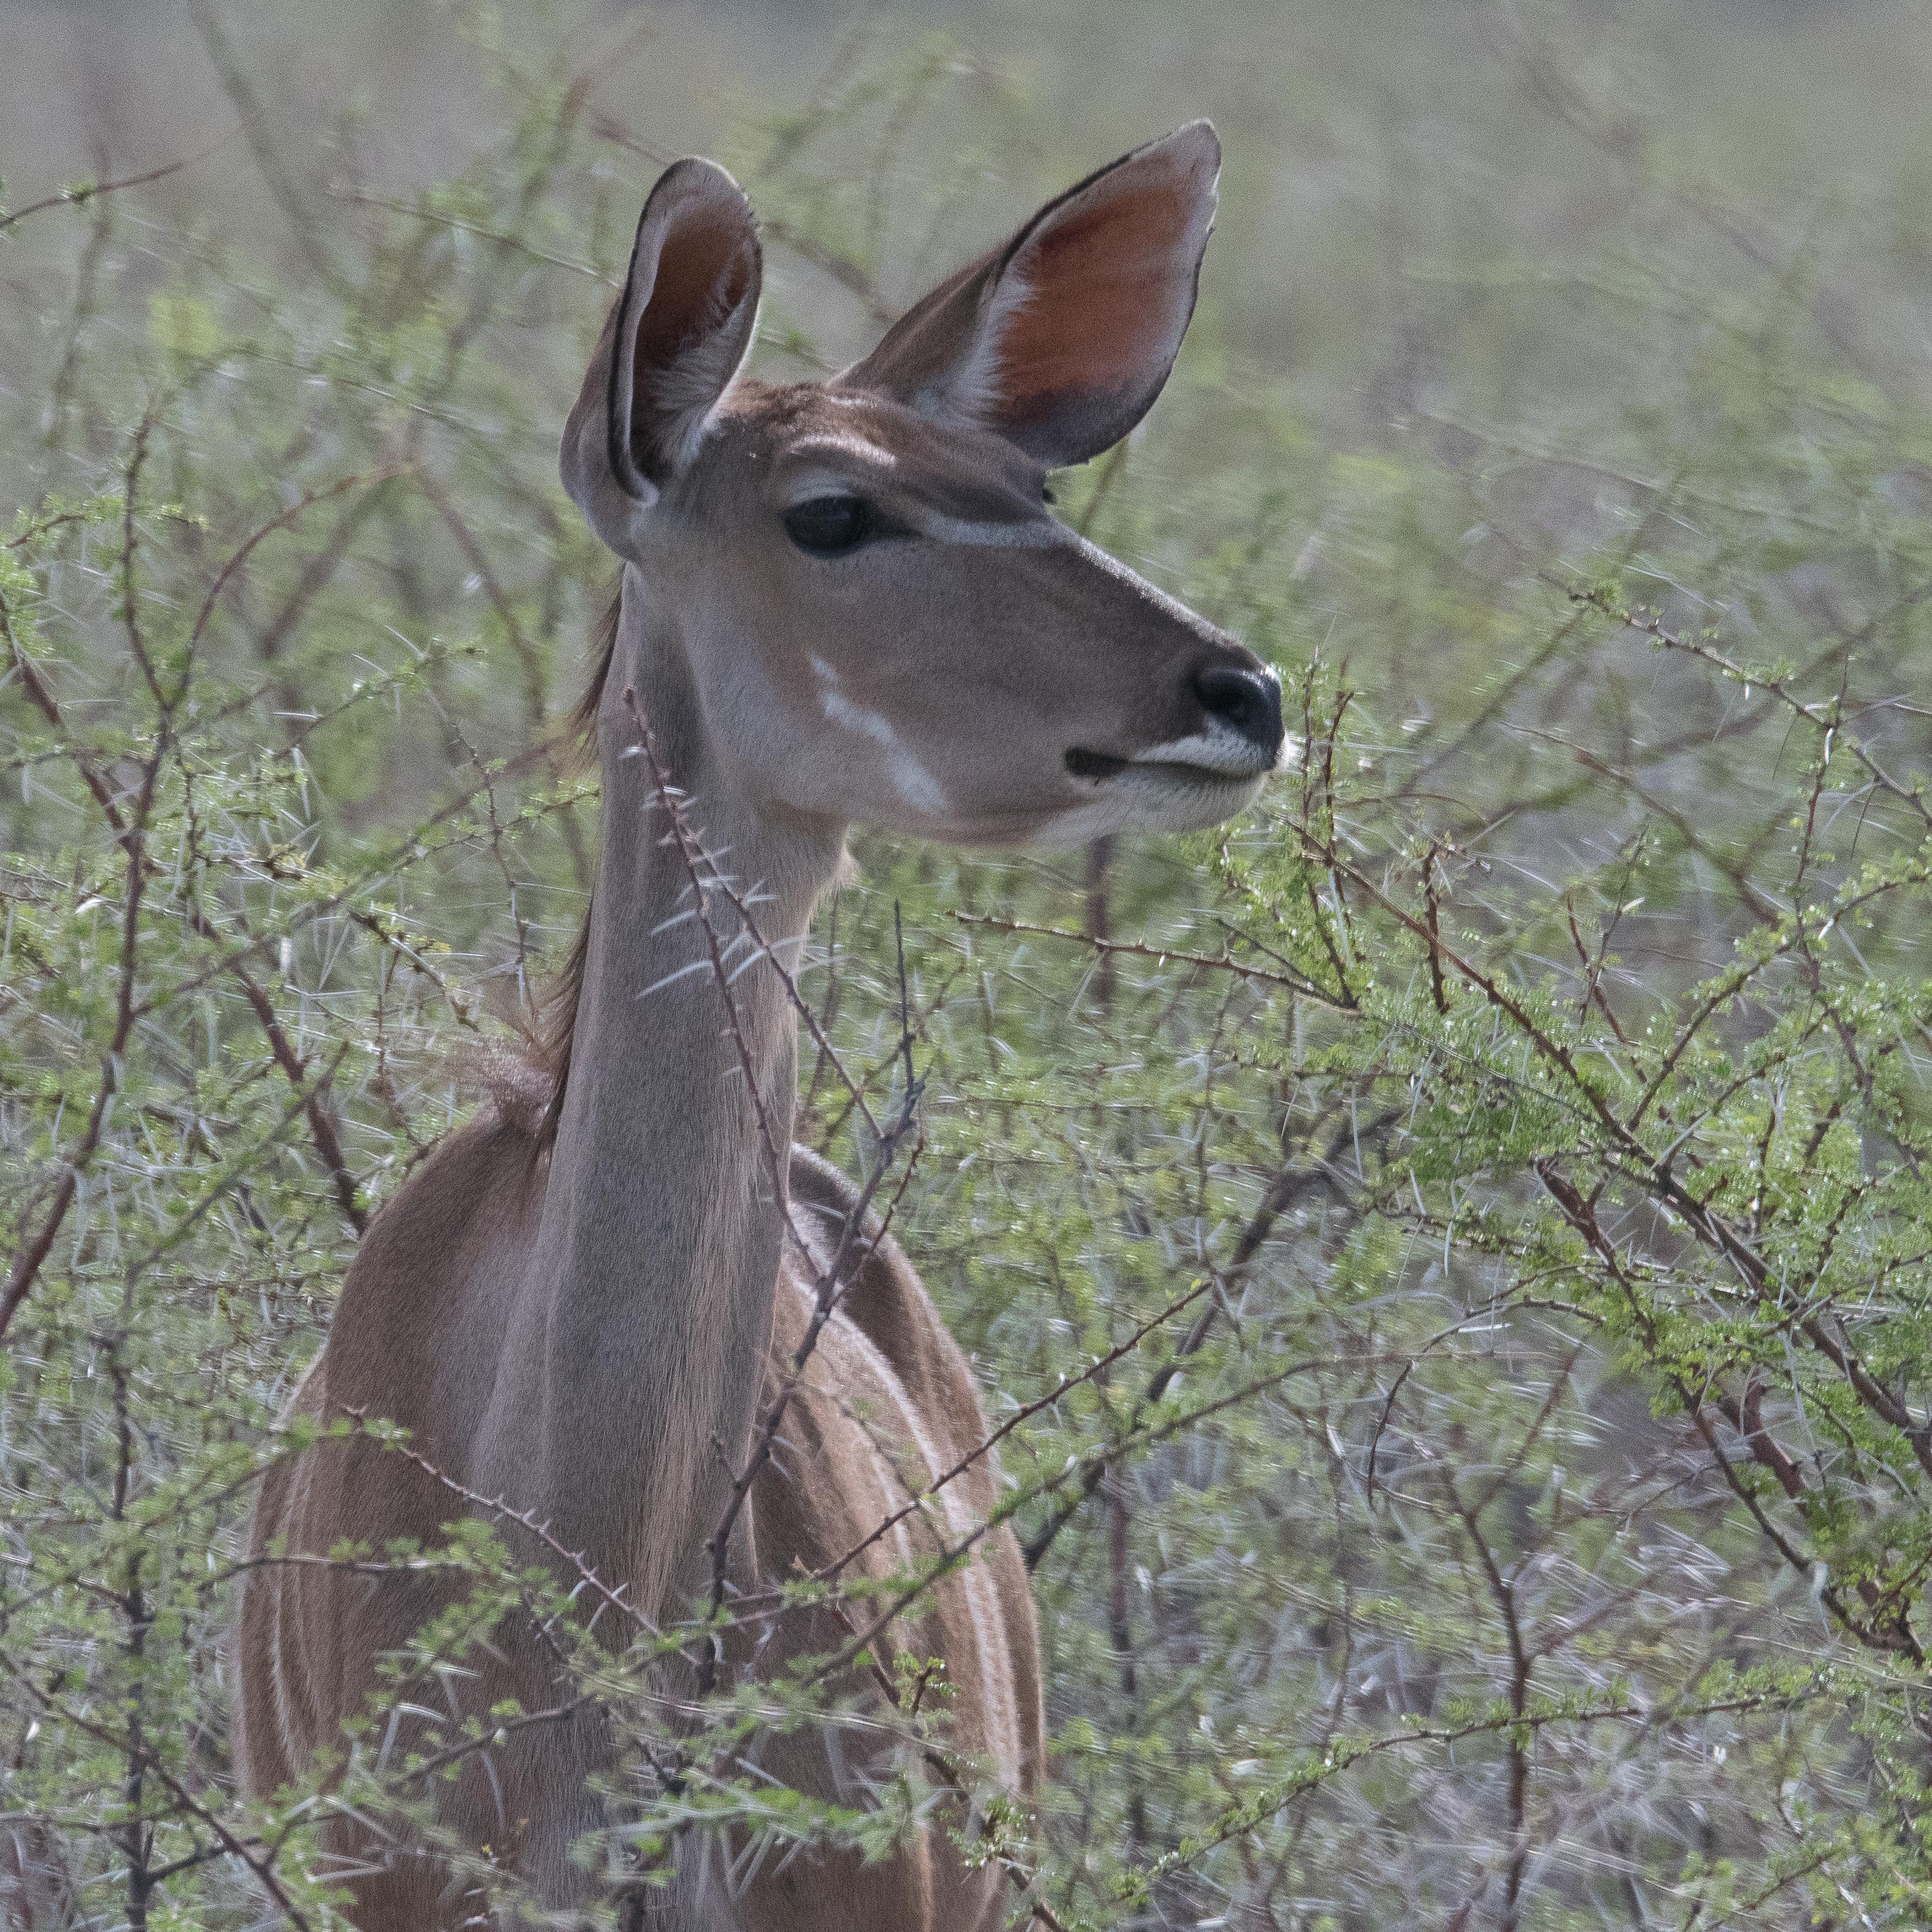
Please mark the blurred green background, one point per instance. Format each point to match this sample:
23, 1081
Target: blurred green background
1367, 145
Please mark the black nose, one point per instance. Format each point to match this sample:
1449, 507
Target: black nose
1250, 700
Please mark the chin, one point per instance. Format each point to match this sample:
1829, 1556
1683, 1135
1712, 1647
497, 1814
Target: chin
1157, 799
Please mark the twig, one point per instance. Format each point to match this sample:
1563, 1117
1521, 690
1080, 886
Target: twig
828, 1291
1503, 1591
704, 874
1282, 1192
713, 879
525, 1519
322, 1122
28, 1262
262, 1868
1161, 954
1430, 900
1098, 1368
1654, 628
1088, 1470
78, 194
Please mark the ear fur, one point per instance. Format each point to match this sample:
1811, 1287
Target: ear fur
670, 349
1061, 340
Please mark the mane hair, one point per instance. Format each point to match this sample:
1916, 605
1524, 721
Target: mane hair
559, 1028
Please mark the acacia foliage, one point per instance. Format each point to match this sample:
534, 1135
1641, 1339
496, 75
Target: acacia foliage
1448, 1252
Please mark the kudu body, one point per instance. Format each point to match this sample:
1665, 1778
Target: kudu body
842, 602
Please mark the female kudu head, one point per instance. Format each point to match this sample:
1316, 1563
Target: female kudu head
882, 620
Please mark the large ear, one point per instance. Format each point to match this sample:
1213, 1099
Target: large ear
1061, 340
670, 349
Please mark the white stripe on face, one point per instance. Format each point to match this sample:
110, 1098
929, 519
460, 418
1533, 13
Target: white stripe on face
1035, 533
813, 482
910, 779
834, 480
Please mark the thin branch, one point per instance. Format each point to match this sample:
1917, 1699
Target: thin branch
1294, 1179
574, 1561
78, 194
1162, 955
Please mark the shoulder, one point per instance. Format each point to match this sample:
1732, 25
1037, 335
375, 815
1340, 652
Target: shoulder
886, 1300
491, 1165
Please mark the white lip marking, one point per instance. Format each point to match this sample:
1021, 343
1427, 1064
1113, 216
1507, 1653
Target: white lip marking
1220, 748
1151, 800
910, 779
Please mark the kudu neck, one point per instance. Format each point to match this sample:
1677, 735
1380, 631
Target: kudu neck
658, 1251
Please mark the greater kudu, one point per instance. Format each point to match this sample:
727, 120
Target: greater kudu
842, 602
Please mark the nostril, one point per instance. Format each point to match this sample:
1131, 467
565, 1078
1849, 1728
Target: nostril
1249, 701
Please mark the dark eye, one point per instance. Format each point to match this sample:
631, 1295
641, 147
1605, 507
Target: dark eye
831, 526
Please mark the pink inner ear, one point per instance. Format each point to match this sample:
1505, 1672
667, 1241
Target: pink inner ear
1108, 289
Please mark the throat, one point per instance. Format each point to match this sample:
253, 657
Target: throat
631, 1383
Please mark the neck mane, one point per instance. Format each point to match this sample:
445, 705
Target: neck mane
625, 1404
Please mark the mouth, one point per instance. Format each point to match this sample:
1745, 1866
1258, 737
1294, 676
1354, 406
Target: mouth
1153, 793
1097, 767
